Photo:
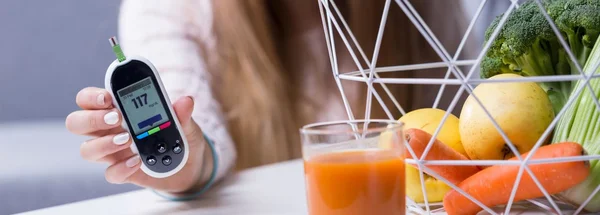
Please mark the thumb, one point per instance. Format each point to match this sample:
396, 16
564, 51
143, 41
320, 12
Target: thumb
183, 108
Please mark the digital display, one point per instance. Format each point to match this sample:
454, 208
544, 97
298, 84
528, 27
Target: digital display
145, 111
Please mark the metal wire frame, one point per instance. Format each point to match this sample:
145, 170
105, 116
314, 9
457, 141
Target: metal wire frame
334, 22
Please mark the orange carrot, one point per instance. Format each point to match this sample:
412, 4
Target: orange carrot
418, 139
492, 186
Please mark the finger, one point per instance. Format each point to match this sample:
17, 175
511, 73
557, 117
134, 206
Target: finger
142, 179
95, 149
101, 133
88, 121
183, 107
117, 156
93, 98
120, 171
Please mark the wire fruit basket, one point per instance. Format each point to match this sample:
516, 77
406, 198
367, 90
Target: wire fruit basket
334, 24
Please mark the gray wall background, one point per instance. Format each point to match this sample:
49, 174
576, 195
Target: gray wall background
48, 51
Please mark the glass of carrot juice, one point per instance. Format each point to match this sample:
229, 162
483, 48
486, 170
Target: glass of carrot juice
354, 167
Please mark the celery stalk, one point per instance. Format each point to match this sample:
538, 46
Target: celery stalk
580, 124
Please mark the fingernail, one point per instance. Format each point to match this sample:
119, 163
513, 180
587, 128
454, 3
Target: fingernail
121, 138
132, 161
100, 99
111, 118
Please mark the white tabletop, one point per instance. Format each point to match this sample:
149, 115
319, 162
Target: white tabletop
272, 189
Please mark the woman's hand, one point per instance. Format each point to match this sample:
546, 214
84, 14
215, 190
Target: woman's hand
110, 144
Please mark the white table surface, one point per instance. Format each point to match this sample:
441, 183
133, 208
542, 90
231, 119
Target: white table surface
271, 189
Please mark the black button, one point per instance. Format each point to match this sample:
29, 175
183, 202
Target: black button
161, 147
177, 149
167, 160
151, 160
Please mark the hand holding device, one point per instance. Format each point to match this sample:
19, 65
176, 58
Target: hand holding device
139, 94
110, 143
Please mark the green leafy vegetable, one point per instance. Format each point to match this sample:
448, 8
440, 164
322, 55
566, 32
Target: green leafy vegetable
579, 20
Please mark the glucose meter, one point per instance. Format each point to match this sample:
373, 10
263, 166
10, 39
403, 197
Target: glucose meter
138, 93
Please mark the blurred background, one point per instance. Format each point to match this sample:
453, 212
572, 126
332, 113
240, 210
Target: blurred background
49, 50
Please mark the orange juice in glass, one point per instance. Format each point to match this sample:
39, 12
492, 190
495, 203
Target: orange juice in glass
354, 167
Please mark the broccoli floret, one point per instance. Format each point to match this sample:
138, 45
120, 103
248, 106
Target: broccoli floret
579, 21
528, 46
526, 42
493, 66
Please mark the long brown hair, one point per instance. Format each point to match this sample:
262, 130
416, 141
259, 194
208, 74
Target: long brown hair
261, 70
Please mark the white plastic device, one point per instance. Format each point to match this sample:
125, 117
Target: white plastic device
150, 170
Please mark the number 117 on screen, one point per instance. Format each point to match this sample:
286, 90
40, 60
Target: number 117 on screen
140, 100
